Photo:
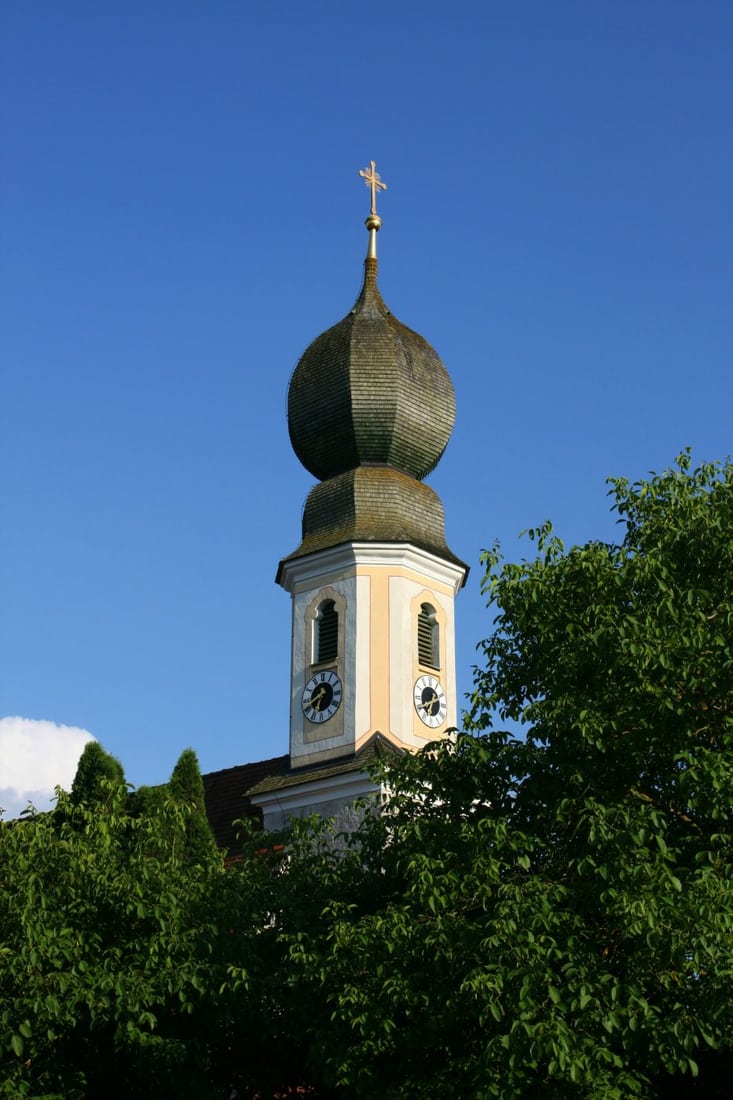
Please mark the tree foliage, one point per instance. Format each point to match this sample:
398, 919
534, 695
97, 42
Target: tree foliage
104, 950
135, 963
187, 787
552, 915
95, 765
546, 915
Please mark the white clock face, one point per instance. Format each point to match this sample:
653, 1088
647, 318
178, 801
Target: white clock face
321, 697
430, 701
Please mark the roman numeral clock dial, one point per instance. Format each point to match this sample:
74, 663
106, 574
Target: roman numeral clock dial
321, 697
430, 702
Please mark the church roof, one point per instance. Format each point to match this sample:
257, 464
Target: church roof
377, 749
373, 504
226, 798
227, 792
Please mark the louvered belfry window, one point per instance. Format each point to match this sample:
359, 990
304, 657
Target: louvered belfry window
428, 638
327, 632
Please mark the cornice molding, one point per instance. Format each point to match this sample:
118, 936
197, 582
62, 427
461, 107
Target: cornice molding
310, 570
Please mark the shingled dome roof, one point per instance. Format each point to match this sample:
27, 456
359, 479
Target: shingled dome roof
370, 390
373, 504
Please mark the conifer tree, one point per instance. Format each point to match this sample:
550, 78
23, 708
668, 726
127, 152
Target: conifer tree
94, 766
187, 788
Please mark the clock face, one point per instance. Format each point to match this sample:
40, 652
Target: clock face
321, 697
430, 701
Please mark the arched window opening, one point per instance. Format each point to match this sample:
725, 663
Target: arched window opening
326, 628
428, 637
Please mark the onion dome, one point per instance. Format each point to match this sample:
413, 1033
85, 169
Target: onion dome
370, 390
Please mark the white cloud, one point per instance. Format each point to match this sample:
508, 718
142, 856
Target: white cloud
35, 757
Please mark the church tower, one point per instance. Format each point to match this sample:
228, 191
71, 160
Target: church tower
373, 583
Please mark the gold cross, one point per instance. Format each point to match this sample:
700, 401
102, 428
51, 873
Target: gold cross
374, 181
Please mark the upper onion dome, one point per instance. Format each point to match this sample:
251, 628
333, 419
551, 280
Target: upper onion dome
370, 390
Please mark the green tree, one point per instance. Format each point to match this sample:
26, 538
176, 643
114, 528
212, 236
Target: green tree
552, 915
548, 915
187, 787
95, 765
135, 964
106, 931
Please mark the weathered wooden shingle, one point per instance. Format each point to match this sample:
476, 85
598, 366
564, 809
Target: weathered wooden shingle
368, 390
373, 504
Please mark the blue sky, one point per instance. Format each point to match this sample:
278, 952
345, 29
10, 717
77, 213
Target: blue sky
181, 213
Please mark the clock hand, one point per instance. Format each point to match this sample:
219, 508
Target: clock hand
430, 706
315, 699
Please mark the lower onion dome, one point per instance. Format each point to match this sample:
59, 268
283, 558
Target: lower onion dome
373, 504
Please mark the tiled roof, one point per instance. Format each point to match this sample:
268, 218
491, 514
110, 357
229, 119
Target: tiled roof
227, 792
226, 797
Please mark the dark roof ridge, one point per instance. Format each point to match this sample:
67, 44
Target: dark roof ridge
249, 764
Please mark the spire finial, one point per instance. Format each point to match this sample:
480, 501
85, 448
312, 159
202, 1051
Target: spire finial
373, 180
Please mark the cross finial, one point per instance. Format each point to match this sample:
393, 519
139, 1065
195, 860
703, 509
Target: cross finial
374, 182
